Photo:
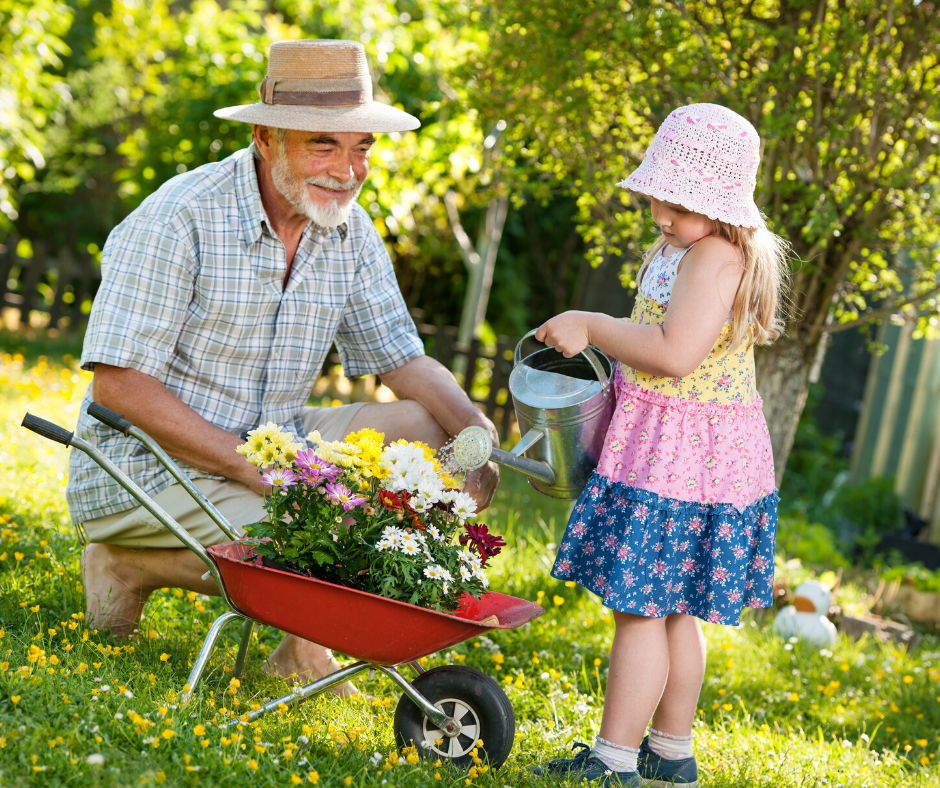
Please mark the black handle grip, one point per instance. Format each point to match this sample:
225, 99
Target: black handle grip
114, 420
48, 430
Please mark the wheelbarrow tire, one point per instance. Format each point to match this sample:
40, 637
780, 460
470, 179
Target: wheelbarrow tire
483, 708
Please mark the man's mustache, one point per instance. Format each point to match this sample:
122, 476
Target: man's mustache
331, 183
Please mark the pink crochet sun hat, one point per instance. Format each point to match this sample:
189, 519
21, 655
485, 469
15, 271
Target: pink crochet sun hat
705, 158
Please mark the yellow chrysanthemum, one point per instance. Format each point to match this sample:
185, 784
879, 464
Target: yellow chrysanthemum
268, 430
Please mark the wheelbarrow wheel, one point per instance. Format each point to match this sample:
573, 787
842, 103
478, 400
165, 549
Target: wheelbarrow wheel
475, 700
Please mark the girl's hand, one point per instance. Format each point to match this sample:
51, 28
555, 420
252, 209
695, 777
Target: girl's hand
568, 332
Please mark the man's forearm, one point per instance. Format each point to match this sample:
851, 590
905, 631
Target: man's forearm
179, 430
427, 381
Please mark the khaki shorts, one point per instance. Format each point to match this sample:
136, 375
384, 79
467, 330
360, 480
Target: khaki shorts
237, 503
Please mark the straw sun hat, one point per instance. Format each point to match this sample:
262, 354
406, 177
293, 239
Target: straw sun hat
319, 85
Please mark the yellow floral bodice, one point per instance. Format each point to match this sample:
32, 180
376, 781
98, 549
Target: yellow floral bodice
723, 377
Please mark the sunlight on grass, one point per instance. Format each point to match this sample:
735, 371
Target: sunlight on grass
77, 706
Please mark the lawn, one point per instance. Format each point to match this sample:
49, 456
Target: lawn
79, 708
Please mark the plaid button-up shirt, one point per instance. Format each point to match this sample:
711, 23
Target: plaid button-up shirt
192, 294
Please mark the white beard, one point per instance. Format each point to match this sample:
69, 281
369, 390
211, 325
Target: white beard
329, 215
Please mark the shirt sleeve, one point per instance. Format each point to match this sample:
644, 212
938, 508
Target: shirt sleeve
377, 334
147, 278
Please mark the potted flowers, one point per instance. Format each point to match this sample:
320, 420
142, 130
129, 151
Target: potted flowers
387, 520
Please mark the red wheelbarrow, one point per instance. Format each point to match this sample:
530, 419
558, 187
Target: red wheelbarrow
443, 712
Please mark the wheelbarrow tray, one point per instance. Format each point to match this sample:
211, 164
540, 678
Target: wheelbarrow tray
364, 626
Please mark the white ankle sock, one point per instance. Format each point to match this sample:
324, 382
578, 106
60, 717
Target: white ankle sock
672, 748
616, 757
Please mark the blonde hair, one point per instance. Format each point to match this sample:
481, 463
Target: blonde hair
761, 304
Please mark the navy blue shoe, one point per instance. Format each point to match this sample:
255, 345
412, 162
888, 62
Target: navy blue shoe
659, 772
587, 767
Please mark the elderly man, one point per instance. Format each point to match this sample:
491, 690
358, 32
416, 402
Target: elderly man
220, 297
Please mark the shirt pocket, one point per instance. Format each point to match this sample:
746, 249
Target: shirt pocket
304, 339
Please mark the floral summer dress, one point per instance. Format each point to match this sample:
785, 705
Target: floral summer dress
681, 514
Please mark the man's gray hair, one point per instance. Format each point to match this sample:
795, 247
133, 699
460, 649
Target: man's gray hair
280, 135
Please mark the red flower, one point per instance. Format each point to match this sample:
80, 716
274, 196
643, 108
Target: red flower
481, 540
399, 503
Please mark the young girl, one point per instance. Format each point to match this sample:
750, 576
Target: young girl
678, 522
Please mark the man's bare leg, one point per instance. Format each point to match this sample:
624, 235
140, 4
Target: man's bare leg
119, 581
404, 419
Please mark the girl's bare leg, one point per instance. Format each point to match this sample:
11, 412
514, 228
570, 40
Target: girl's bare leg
639, 667
676, 711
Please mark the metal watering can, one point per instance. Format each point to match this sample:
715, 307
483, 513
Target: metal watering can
564, 407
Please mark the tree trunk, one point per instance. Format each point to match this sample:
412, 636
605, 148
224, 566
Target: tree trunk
784, 372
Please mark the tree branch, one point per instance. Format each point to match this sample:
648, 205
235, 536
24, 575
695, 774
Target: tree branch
885, 312
726, 80
470, 257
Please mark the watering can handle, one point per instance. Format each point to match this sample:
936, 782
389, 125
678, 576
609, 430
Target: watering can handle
588, 353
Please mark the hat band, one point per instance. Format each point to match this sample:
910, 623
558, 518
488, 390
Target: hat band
317, 92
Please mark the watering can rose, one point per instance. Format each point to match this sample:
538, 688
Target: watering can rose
384, 519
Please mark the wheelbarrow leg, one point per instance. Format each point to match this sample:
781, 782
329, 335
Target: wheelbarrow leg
300, 694
243, 647
206, 650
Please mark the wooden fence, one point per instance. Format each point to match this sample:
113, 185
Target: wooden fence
56, 285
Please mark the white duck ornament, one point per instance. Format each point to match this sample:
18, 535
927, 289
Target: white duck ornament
806, 617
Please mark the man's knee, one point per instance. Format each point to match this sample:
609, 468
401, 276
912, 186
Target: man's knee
406, 419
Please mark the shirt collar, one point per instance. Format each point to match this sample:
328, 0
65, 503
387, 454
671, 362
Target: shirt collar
252, 216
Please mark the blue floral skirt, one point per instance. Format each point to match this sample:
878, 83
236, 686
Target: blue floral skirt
652, 556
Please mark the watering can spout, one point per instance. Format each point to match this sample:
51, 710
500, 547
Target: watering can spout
534, 469
473, 448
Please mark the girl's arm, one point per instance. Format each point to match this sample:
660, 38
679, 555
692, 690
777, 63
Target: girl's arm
702, 297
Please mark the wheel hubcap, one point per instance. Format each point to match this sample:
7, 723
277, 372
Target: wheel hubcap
466, 737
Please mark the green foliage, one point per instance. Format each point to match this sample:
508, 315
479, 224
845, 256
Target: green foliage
815, 465
916, 575
872, 504
30, 45
812, 543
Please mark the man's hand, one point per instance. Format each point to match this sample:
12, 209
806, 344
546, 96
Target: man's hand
569, 332
481, 484
427, 382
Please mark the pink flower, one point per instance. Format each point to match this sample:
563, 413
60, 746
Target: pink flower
314, 469
278, 477
341, 494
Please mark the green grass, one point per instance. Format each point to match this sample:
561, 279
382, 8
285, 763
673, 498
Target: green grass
772, 713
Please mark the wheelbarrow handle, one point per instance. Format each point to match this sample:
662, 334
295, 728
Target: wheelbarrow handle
117, 422
108, 417
48, 430
61, 435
